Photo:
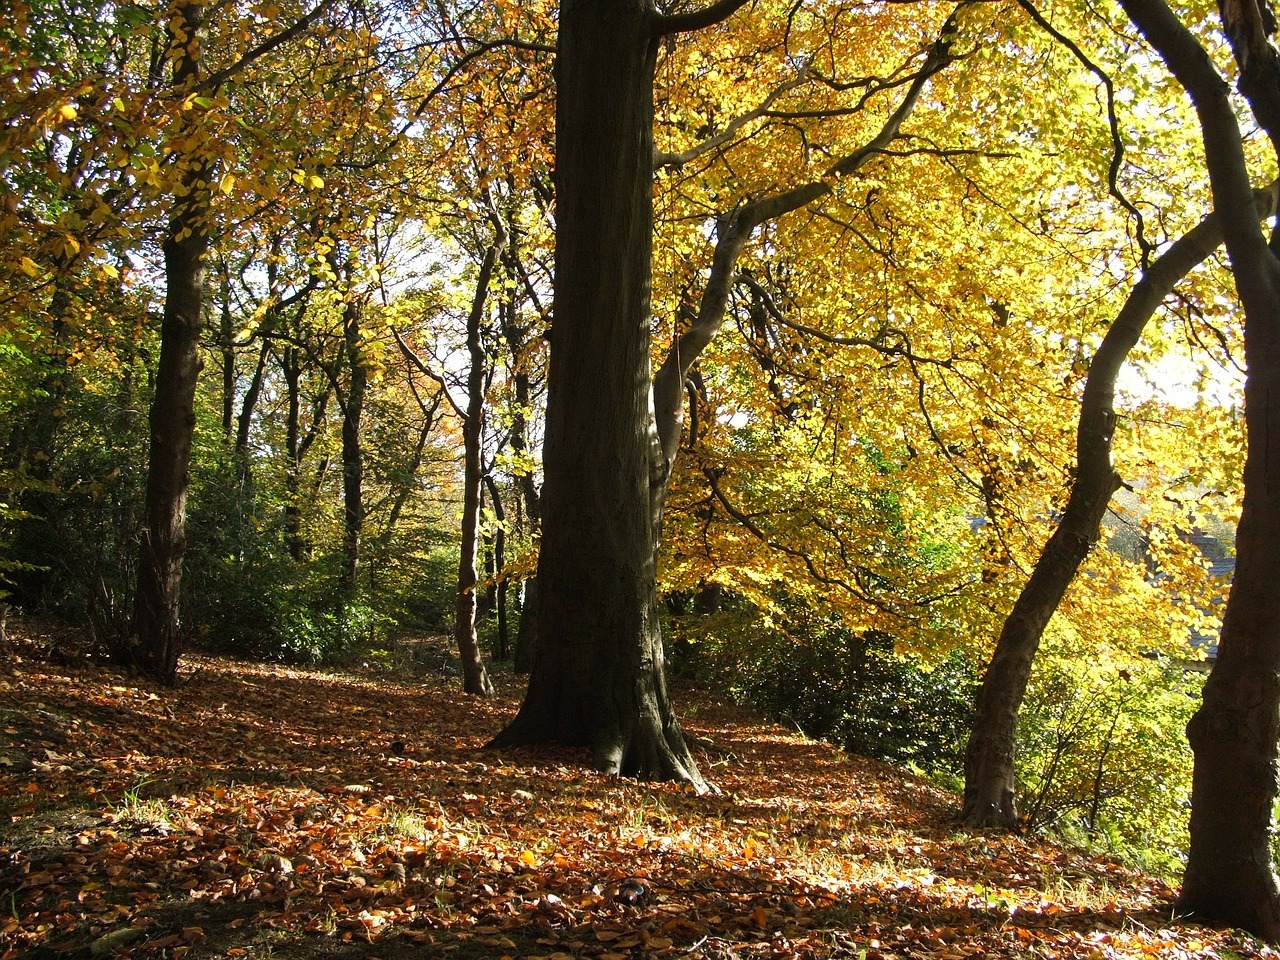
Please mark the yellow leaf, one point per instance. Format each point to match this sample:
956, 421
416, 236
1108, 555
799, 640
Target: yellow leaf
528, 858
227, 183
109, 270
30, 267
68, 111
315, 182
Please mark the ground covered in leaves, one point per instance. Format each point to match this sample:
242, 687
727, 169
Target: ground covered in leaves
258, 811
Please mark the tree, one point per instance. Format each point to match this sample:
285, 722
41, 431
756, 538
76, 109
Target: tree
1230, 876
599, 678
163, 539
990, 774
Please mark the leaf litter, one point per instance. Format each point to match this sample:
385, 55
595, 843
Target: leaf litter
259, 811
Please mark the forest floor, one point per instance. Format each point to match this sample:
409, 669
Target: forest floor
258, 811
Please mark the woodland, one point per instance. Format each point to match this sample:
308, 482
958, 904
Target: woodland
904, 372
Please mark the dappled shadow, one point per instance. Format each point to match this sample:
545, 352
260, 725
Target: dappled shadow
258, 810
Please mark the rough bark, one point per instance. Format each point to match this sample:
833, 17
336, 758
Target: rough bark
1230, 877
990, 776
599, 678
163, 538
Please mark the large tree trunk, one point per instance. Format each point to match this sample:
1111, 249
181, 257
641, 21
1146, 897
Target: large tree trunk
163, 540
599, 679
1230, 876
990, 774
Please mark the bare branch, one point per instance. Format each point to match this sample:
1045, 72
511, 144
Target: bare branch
1145, 247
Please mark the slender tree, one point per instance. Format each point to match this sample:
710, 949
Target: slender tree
475, 677
163, 539
990, 775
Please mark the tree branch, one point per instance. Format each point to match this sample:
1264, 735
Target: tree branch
291, 32
731, 130
696, 19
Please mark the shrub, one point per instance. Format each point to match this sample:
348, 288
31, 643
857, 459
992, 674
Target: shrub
1102, 754
842, 685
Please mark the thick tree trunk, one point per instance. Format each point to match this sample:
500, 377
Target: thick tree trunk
1230, 876
163, 539
990, 774
598, 679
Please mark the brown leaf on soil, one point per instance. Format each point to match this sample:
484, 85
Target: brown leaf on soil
259, 806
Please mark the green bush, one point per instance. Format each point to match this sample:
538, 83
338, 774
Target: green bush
1103, 759
842, 685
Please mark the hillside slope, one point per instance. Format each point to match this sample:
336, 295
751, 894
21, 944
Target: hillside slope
260, 811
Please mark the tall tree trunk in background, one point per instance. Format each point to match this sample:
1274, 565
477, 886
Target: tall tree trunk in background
990, 773
516, 336
598, 679
1230, 877
475, 677
291, 368
163, 539
352, 452
499, 556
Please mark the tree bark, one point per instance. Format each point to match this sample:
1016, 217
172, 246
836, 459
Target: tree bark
990, 774
599, 679
163, 539
352, 452
1230, 876
499, 557
475, 677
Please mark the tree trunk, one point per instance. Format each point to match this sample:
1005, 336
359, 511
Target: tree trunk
1230, 876
352, 454
291, 368
499, 557
598, 679
990, 774
475, 678
515, 335
163, 539
527, 629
